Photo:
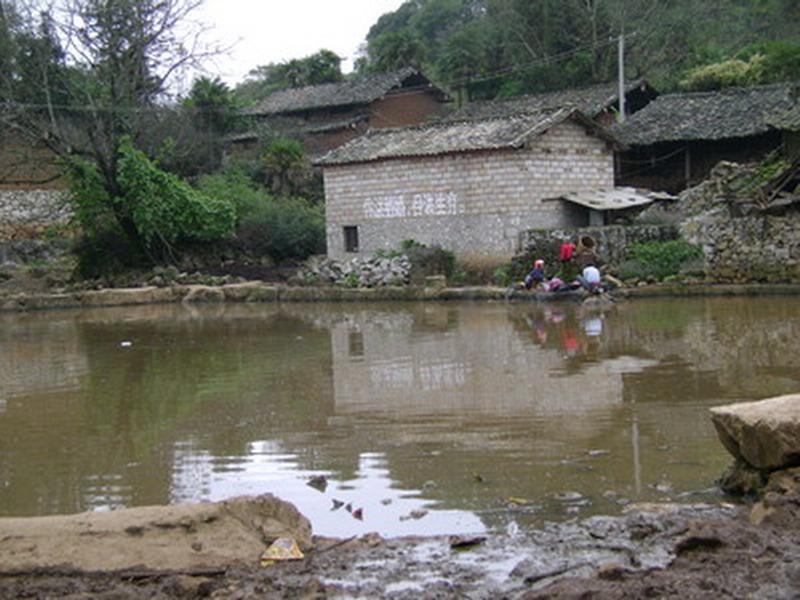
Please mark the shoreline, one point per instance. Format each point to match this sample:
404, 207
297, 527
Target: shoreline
212, 550
258, 292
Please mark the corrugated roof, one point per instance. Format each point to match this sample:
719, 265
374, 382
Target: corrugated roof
616, 199
590, 101
346, 93
455, 136
725, 114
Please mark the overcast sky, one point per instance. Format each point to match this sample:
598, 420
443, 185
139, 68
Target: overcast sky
265, 31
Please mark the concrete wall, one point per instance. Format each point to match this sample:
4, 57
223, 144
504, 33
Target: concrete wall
471, 203
27, 213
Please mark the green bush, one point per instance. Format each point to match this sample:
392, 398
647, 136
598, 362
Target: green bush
235, 187
658, 259
284, 228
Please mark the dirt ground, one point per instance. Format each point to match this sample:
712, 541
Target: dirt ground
658, 551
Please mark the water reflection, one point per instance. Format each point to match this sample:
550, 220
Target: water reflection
445, 408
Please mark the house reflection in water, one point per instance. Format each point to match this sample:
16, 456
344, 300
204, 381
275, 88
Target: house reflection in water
439, 360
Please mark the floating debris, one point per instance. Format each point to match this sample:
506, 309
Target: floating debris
416, 515
358, 514
596, 453
337, 504
348, 507
319, 483
386, 501
125, 344
517, 501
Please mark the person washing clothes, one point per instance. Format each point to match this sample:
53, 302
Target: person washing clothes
536, 275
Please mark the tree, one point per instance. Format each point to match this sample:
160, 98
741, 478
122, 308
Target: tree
213, 105
321, 67
286, 166
114, 71
394, 50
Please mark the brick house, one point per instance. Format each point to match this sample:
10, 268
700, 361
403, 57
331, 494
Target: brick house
677, 139
326, 116
471, 186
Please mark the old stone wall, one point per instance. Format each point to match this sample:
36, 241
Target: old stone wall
27, 213
476, 203
612, 241
757, 248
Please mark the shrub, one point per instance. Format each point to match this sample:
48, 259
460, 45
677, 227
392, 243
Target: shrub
659, 259
235, 187
284, 228
428, 260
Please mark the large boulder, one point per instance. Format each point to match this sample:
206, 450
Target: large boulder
171, 538
765, 434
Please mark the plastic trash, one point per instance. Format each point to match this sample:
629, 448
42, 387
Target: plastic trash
282, 549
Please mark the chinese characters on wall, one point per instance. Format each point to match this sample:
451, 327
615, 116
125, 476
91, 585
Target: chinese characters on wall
414, 205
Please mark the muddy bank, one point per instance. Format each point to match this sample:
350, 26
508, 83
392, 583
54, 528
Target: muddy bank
652, 551
261, 292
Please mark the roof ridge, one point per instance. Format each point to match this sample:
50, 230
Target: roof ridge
731, 90
470, 120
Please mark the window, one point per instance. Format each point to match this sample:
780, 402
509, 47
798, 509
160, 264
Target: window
351, 238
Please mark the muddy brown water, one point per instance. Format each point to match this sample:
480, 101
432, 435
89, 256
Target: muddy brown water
431, 418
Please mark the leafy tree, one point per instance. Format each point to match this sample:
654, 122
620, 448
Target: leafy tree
164, 210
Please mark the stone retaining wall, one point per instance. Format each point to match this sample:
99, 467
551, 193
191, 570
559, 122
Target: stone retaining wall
759, 248
612, 240
27, 213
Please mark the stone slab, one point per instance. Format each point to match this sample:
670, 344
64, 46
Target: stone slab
170, 538
764, 434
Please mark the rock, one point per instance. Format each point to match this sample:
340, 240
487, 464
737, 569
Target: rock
742, 479
765, 434
156, 537
202, 293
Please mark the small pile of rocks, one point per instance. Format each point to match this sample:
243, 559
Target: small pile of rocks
358, 272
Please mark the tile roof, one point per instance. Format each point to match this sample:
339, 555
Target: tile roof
724, 114
448, 137
345, 93
590, 101
789, 120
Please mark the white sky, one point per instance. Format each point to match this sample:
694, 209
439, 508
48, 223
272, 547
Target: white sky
265, 31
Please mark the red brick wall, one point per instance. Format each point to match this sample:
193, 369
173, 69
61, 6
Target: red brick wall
404, 107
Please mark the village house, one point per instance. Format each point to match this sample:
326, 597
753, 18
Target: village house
599, 102
329, 115
470, 186
677, 139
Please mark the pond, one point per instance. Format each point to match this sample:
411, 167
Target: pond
430, 418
